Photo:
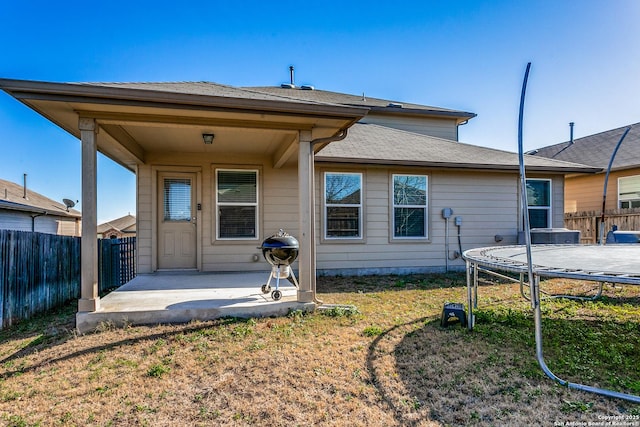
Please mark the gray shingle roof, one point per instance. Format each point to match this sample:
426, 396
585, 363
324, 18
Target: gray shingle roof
358, 100
11, 197
596, 150
205, 89
374, 144
276, 93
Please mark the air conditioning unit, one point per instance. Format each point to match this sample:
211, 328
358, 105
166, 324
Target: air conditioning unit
551, 236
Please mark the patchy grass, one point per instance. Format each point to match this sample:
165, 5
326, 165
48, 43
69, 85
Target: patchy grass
377, 358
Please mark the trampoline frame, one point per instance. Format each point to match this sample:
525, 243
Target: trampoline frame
477, 260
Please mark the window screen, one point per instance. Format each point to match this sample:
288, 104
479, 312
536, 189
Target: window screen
409, 206
629, 192
177, 199
237, 204
343, 205
539, 202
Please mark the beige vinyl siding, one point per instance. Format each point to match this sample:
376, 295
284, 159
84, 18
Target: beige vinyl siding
487, 203
278, 208
441, 128
557, 188
143, 219
584, 193
69, 227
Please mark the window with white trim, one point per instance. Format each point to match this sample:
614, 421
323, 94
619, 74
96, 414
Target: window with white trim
629, 192
237, 204
343, 205
539, 202
410, 206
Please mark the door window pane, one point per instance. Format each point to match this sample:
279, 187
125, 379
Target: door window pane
177, 199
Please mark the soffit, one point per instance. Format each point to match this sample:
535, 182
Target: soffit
135, 123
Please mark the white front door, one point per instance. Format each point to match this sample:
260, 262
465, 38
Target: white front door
176, 221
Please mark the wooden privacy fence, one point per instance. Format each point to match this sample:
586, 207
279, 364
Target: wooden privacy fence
39, 272
589, 222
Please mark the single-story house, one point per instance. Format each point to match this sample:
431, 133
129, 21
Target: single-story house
366, 185
118, 228
25, 210
584, 192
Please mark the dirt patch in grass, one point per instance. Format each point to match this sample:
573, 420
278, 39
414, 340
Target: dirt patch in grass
390, 363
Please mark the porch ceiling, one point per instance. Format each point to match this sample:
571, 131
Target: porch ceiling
134, 124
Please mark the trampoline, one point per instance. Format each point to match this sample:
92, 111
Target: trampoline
610, 263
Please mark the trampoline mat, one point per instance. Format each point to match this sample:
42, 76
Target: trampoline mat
592, 262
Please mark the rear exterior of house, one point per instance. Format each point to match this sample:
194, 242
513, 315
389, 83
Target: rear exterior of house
364, 184
358, 233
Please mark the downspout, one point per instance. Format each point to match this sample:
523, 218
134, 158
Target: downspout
339, 136
33, 220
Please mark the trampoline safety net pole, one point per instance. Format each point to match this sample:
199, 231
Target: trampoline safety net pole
534, 280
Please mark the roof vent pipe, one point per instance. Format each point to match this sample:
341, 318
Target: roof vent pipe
24, 192
291, 75
571, 132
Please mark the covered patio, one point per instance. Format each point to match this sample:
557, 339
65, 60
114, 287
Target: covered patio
184, 296
217, 170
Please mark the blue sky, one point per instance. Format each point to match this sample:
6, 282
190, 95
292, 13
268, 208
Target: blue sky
467, 55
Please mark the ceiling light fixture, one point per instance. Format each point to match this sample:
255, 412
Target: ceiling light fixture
208, 138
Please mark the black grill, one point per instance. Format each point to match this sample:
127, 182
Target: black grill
280, 250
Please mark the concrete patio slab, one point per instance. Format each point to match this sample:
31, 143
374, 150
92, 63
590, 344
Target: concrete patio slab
181, 297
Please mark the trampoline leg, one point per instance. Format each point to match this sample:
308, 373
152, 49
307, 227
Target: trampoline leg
528, 298
537, 316
470, 302
475, 285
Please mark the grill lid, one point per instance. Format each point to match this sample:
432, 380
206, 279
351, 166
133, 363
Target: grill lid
280, 249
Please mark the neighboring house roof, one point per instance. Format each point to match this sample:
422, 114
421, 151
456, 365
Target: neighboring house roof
374, 144
374, 104
12, 198
596, 150
126, 224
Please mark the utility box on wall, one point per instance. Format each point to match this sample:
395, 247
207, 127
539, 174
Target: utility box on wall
551, 236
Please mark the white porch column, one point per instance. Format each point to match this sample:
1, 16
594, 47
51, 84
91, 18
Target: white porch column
89, 298
306, 196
